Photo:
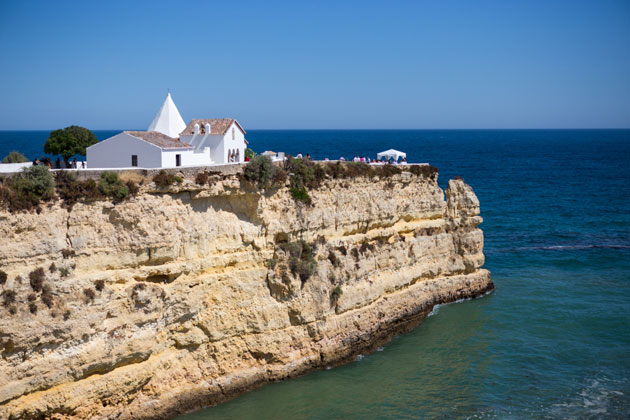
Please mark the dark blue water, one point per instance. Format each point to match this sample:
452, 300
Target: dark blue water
552, 342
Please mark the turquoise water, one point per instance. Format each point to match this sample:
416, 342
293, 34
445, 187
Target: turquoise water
553, 340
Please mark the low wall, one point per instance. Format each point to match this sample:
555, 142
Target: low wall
13, 167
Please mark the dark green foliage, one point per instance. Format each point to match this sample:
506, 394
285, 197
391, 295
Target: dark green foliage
12, 309
249, 153
202, 178
301, 260
64, 271
67, 252
66, 315
71, 190
263, 173
3, 277
110, 186
69, 142
365, 246
32, 307
31, 297
271, 264
99, 285
132, 187
335, 294
300, 194
47, 296
333, 258
89, 294
52, 268
8, 297
355, 253
164, 179
25, 190
14, 157
427, 171
343, 250
37, 278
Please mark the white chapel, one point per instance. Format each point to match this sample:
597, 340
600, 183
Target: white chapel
170, 143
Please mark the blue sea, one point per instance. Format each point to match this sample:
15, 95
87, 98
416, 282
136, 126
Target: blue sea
553, 340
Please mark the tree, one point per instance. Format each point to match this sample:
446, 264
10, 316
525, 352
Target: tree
69, 142
249, 153
14, 157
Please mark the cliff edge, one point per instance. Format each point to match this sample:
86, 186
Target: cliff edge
183, 298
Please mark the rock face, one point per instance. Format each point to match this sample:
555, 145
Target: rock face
180, 299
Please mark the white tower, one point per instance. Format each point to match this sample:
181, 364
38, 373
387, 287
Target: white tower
168, 121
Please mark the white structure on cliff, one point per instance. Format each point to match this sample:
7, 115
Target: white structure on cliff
170, 143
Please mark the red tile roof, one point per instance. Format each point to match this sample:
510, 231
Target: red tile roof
161, 140
218, 126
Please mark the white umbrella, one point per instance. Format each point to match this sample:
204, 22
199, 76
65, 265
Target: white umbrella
391, 153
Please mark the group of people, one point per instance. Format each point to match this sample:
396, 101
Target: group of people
74, 164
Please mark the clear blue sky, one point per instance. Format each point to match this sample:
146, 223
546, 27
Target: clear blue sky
302, 64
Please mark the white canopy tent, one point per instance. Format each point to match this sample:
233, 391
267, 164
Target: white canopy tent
391, 154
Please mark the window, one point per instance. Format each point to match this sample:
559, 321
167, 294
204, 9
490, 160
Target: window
178, 160
233, 138
134, 160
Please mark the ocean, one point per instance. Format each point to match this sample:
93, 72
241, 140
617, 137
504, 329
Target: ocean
552, 341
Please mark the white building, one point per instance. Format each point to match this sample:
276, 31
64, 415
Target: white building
169, 143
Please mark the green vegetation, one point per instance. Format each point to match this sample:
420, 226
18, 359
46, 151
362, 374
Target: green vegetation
111, 186
333, 258
335, 294
14, 157
99, 285
249, 153
164, 179
68, 142
301, 260
27, 189
3, 277
47, 297
89, 294
8, 297
263, 173
37, 278
202, 178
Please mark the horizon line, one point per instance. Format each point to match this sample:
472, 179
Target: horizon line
360, 129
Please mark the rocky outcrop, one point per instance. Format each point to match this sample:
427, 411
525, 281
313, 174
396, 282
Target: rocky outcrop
180, 299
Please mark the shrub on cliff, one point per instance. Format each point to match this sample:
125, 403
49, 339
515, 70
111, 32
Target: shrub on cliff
70, 190
37, 278
427, 171
89, 294
132, 187
3, 277
202, 178
99, 285
27, 189
47, 296
263, 173
301, 260
14, 157
8, 297
164, 179
110, 185
335, 294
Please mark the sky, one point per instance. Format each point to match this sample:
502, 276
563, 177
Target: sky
317, 64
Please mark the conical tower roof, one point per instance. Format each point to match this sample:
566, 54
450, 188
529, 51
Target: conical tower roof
168, 121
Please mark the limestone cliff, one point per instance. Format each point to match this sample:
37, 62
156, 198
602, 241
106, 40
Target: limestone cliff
179, 299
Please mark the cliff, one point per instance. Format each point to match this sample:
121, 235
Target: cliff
179, 299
